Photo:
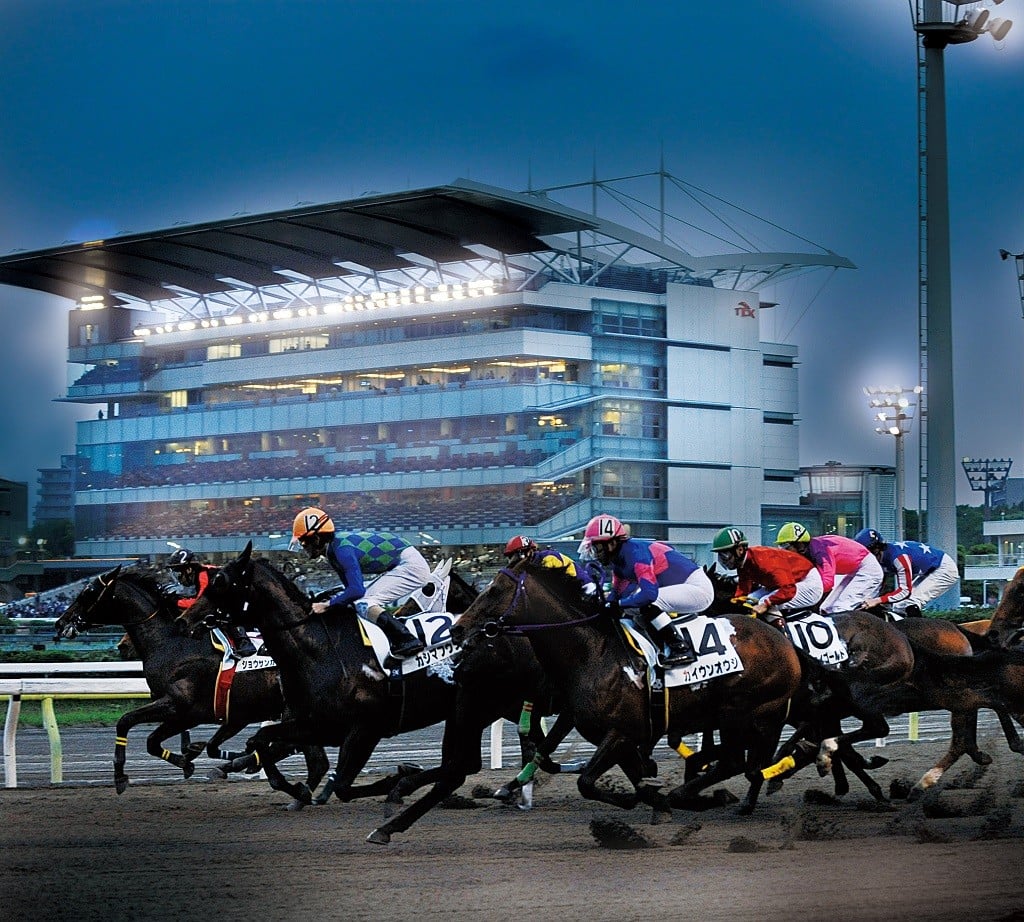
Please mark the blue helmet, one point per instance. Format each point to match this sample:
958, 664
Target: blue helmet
870, 538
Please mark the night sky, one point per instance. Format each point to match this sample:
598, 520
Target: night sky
120, 116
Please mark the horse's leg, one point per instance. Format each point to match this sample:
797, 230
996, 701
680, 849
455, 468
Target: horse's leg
542, 758
614, 749
963, 740
460, 757
213, 750
161, 710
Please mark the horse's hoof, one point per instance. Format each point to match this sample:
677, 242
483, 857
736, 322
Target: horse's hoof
745, 809
982, 758
121, 784
377, 837
774, 786
503, 794
660, 816
188, 769
295, 806
915, 793
876, 762
408, 768
216, 774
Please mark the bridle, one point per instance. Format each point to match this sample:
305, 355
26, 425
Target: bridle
502, 625
83, 619
242, 595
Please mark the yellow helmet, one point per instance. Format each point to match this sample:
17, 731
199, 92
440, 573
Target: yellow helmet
793, 533
311, 521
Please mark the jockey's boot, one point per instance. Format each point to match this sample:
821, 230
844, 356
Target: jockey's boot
680, 646
912, 611
403, 642
675, 637
242, 644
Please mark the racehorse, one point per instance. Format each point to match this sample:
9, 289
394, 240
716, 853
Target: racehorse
335, 690
893, 669
181, 672
583, 651
524, 680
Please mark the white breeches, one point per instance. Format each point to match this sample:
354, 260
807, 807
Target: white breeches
410, 574
850, 590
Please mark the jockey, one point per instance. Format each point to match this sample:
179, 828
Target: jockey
780, 581
522, 547
849, 573
195, 577
653, 577
351, 554
921, 572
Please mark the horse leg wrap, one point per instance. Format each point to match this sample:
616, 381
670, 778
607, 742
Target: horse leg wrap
525, 717
529, 770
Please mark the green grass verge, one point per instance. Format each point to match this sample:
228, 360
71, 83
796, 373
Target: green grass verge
71, 713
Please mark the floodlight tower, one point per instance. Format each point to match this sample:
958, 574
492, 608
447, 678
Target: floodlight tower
894, 412
988, 474
1018, 258
937, 25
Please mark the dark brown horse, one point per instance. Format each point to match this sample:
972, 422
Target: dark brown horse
181, 673
893, 669
582, 650
335, 690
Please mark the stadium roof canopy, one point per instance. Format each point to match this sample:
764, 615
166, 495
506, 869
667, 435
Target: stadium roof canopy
457, 232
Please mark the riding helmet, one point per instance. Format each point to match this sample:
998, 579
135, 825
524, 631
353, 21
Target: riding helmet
310, 522
728, 539
520, 543
793, 533
604, 528
870, 538
182, 559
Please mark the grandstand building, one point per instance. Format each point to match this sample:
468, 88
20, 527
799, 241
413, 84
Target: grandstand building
455, 364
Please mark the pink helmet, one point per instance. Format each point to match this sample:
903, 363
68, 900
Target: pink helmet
604, 528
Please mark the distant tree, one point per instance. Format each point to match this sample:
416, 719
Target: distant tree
59, 535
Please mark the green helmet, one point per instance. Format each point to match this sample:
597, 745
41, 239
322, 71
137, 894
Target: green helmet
793, 533
728, 539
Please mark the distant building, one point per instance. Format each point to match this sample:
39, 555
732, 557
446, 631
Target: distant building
844, 498
455, 364
57, 488
13, 516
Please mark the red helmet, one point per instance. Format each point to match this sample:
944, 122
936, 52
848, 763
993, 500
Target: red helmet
604, 528
518, 544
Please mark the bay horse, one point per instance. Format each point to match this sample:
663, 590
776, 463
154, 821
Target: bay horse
473, 713
583, 651
181, 672
336, 692
892, 670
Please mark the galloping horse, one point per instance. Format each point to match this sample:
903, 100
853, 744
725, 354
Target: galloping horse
583, 651
335, 690
181, 672
895, 668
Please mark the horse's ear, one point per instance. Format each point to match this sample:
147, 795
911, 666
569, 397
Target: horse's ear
243, 558
113, 574
712, 570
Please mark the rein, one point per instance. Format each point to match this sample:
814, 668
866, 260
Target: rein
492, 629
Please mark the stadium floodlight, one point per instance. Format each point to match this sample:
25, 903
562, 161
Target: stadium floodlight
895, 411
1018, 258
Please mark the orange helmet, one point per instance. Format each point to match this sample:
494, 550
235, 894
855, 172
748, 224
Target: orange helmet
604, 528
310, 522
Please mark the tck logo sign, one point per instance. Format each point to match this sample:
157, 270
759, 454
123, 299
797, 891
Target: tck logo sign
744, 310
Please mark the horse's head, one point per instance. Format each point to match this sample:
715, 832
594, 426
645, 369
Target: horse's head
523, 598
89, 607
226, 599
1008, 618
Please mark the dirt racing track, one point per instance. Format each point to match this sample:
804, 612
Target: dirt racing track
228, 850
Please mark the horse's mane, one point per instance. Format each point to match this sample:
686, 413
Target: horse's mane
558, 581
1009, 612
146, 579
286, 583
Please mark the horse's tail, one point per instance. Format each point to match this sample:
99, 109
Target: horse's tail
982, 671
